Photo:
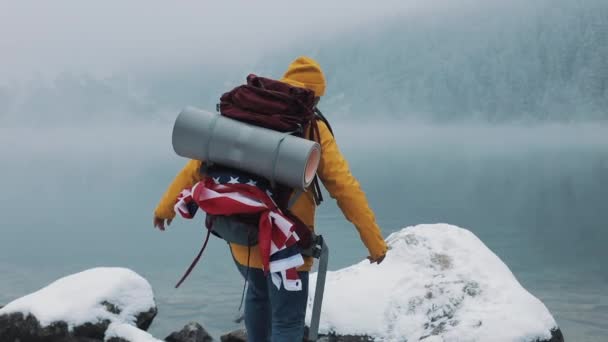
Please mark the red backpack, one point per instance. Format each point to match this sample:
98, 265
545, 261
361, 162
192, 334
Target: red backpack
278, 106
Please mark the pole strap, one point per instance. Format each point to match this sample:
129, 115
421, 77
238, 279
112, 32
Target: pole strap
210, 137
313, 333
276, 158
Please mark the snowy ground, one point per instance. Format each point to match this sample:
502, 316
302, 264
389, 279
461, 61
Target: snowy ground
438, 282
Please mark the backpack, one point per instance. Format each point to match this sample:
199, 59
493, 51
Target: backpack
278, 106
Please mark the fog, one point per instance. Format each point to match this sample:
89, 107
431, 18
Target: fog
73, 179
106, 37
491, 61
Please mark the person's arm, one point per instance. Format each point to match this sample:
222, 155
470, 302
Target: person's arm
342, 186
187, 177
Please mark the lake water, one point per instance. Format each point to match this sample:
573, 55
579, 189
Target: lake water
82, 197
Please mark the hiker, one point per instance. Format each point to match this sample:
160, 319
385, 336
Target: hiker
272, 313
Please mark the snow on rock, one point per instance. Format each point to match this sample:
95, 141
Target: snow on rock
191, 332
82, 304
126, 332
437, 283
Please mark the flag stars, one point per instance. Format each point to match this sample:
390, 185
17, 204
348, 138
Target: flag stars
216, 180
252, 182
233, 180
269, 193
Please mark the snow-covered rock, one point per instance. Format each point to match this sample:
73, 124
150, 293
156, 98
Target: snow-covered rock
437, 283
124, 332
81, 305
191, 332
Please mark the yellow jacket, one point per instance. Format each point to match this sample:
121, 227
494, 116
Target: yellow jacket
336, 177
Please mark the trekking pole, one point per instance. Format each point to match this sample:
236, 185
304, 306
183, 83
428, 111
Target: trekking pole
323, 256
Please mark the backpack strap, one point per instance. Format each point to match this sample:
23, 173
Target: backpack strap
324, 119
276, 158
294, 198
318, 195
314, 135
196, 259
210, 137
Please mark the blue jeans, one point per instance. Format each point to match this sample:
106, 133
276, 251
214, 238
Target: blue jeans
273, 315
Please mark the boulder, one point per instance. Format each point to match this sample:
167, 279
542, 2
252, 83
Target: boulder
239, 335
191, 332
80, 307
437, 283
144, 319
124, 332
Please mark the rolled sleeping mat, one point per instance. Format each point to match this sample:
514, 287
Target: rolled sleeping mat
279, 157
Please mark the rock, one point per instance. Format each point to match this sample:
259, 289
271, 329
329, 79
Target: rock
80, 307
337, 338
191, 332
20, 327
345, 338
437, 282
556, 336
95, 330
17, 327
239, 335
144, 319
123, 332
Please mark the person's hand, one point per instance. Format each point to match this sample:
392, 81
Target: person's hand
160, 222
377, 260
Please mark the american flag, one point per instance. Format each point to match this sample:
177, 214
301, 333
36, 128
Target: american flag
277, 238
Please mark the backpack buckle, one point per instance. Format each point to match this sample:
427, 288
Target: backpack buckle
316, 247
